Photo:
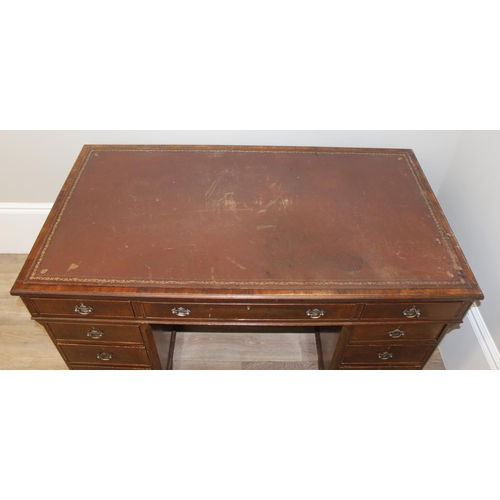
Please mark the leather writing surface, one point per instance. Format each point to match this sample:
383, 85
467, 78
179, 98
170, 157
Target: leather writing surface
244, 217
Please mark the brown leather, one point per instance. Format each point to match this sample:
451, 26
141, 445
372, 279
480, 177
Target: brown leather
218, 217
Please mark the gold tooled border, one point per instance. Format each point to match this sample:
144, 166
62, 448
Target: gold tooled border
461, 281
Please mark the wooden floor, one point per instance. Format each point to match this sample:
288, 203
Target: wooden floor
24, 344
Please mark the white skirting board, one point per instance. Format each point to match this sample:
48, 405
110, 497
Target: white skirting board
484, 338
470, 347
20, 224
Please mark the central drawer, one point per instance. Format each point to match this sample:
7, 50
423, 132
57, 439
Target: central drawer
251, 312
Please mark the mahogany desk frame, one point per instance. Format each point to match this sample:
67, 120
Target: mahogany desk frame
144, 241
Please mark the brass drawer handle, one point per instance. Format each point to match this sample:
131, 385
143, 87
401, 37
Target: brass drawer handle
95, 334
396, 334
83, 309
384, 355
411, 313
180, 311
105, 356
315, 313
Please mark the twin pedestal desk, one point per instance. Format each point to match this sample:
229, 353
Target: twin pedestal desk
146, 241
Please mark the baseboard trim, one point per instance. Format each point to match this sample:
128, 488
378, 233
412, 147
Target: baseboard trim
20, 224
484, 337
25, 208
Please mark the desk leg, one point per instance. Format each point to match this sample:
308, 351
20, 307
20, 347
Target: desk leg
319, 348
170, 360
161, 343
328, 341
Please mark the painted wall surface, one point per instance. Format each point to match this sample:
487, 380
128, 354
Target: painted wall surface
469, 196
34, 164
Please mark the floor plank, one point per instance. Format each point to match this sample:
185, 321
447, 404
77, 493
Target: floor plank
435, 362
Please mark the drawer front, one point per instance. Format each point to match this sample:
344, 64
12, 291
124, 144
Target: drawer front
105, 355
108, 367
96, 332
380, 367
413, 311
250, 312
83, 308
386, 354
386, 333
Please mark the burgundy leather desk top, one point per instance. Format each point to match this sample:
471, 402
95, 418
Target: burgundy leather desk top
212, 220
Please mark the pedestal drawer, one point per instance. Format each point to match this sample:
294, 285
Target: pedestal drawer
380, 367
413, 311
387, 354
96, 332
105, 355
405, 332
79, 308
108, 367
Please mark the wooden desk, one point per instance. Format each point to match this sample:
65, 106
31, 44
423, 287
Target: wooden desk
144, 240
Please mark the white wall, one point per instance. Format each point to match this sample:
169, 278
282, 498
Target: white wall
469, 196
34, 164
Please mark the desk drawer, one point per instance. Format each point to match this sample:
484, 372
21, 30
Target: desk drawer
413, 311
243, 312
408, 331
96, 332
105, 355
108, 367
83, 308
381, 367
387, 354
